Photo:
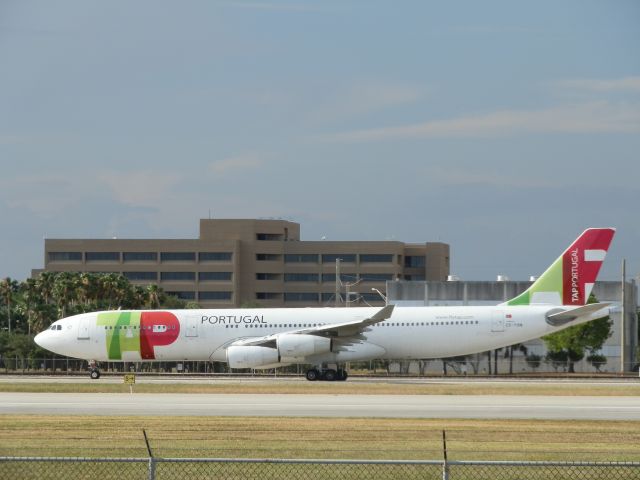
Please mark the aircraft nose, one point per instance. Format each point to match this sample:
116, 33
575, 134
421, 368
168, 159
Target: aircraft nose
40, 339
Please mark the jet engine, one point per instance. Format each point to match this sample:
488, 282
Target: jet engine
296, 347
249, 356
290, 348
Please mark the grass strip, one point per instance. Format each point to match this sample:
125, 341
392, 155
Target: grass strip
256, 437
337, 388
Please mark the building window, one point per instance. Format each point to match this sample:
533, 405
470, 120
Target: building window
344, 277
415, 278
178, 256
301, 277
267, 276
376, 277
183, 295
328, 297
268, 296
371, 297
214, 295
65, 256
141, 276
269, 257
102, 256
269, 236
215, 256
375, 258
301, 258
140, 256
301, 297
345, 257
214, 276
177, 276
414, 261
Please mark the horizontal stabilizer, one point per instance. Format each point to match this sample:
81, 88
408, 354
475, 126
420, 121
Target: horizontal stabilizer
566, 316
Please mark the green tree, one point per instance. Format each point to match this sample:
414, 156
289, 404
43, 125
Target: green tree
44, 283
155, 296
173, 303
533, 361
65, 289
140, 297
8, 288
575, 341
597, 361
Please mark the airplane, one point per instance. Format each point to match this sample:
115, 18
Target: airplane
327, 338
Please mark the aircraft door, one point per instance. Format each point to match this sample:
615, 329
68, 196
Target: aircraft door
192, 326
497, 321
84, 326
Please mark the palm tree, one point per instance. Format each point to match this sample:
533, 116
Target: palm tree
110, 284
30, 297
123, 293
43, 315
45, 283
7, 288
140, 297
156, 296
64, 291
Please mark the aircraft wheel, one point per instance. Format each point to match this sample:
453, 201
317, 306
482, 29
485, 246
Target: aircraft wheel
95, 374
330, 375
312, 375
342, 375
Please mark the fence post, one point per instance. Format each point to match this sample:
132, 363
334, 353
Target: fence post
152, 469
445, 466
152, 460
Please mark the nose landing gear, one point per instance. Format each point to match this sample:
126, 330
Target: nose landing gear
94, 373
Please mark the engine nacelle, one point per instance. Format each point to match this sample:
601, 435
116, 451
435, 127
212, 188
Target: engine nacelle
293, 346
251, 356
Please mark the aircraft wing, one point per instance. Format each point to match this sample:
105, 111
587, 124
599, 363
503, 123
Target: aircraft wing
346, 329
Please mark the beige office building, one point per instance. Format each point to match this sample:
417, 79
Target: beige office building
235, 262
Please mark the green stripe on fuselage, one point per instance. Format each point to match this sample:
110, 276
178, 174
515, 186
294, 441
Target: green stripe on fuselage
122, 333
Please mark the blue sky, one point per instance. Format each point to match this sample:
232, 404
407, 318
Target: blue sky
502, 128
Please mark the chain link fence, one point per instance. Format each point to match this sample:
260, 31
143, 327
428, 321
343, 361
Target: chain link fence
51, 468
473, 366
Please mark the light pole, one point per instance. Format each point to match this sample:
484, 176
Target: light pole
386, 302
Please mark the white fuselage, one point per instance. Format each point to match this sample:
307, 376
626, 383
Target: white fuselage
410, 333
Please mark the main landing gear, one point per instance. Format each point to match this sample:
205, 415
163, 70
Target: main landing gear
327, 374
94, 373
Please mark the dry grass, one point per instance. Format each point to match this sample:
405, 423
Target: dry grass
319, 438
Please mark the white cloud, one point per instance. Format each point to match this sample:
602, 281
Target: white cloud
463, 177
367, 98
594, 117
44, 194
140, 188
241, 162
626, 84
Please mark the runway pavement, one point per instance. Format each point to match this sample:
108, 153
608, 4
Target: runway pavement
270, 380
291, 405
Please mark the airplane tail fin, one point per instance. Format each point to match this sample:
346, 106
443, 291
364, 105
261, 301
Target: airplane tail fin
569, 280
